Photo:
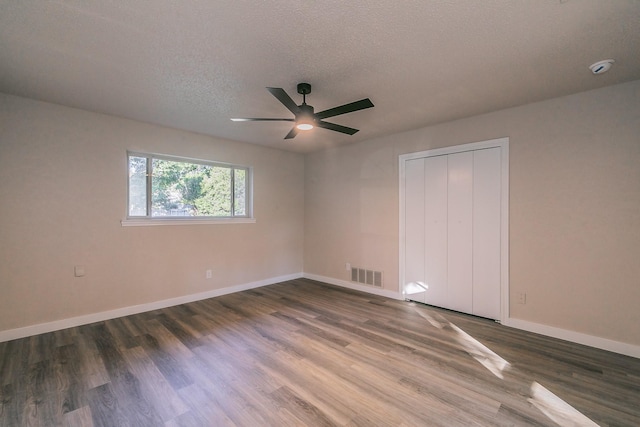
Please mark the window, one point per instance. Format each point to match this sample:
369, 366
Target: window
165, 187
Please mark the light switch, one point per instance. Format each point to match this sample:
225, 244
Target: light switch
78, 271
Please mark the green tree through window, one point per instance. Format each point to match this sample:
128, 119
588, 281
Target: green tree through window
186, 188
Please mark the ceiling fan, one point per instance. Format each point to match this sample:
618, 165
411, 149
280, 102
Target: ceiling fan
305, 118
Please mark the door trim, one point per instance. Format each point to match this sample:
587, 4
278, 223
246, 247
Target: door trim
503, 144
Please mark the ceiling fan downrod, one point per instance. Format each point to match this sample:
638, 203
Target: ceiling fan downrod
304, 89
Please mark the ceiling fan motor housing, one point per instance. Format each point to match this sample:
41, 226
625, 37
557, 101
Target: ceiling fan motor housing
305, 110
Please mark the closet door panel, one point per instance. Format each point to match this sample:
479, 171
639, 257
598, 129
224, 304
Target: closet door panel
486, 232
414, 226
460, 227
435, 223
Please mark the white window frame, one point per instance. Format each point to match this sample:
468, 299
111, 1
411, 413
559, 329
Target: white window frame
148, 220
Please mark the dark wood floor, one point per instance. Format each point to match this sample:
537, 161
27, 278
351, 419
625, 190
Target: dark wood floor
301, 353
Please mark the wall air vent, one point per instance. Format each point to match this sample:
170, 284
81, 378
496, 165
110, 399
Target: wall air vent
366, 277
377, 279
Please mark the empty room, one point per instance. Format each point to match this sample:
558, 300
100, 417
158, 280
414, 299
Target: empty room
299, 213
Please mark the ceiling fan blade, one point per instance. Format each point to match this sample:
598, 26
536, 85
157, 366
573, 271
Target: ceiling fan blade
335, 127
262, 120
344, 109
292, 133
284, 99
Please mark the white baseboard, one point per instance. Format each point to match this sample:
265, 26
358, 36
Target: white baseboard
56, 325
575, 337
550, 331
352, 285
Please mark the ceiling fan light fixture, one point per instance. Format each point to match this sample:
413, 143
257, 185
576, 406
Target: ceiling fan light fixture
304, 126
304, 123
305, 120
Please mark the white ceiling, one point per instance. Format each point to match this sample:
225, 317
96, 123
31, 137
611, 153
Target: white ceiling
195, 64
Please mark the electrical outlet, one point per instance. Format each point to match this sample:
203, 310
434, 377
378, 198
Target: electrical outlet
347, 266
209, 274
522, 298
79, 271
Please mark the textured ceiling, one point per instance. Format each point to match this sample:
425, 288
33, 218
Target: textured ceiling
195, 64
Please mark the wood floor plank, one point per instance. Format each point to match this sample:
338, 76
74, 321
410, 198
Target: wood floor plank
11, 410
105, 409
121, 334
155, 386
187, 335
92, 369
288, 371
80, 417
124, 389
68, 386
301, 408
165, 362
305, 353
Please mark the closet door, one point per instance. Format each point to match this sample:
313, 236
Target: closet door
459, 232
414, 226
486, 232
435, 230
453, 224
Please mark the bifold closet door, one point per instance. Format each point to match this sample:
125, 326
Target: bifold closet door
486, 232
435, 231
453, 230
414, 226
460, 231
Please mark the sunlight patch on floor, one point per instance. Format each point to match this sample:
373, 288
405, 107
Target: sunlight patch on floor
552, 406
483, 354
435, 323
556, 409
414, 288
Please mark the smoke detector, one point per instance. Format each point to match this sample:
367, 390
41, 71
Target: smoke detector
601, 67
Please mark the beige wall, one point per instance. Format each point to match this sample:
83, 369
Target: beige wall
574, 207
63, 194
574, 212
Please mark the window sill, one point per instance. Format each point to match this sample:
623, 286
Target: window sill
142, 222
